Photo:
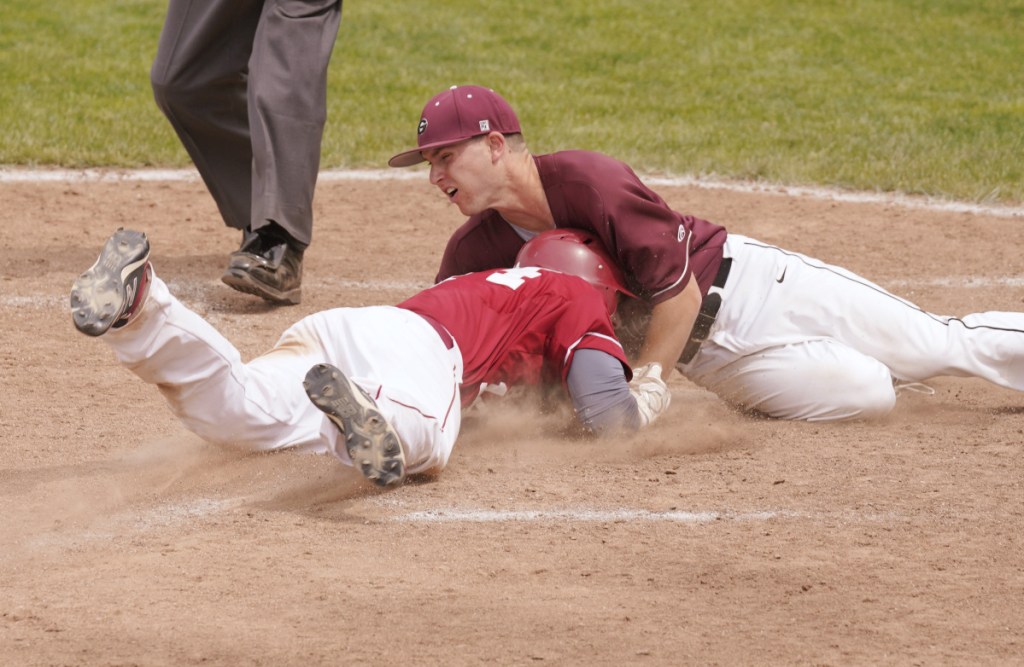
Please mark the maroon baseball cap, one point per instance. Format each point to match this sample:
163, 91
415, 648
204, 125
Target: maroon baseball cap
457, 114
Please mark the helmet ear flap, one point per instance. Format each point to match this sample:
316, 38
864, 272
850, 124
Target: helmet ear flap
578, 253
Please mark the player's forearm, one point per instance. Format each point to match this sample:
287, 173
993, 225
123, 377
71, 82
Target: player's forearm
600, 394
605, 403
671, 323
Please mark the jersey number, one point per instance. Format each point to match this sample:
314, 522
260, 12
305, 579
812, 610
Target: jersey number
514, 278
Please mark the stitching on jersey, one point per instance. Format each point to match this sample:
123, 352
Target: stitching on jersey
686, 266
572, 348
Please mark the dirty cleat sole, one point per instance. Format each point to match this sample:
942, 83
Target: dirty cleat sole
112, 288
370, 440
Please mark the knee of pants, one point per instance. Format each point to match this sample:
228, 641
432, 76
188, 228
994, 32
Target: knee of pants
196, 96
167, 95
824, 384
849, 398
867, 394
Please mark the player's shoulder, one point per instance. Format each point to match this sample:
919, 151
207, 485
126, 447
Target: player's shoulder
569, 287
484, 233
526, 279
532, 289
484, 241
475, 225
584, 165
587, 180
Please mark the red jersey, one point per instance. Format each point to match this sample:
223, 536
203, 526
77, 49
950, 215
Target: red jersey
518, 326
657, 248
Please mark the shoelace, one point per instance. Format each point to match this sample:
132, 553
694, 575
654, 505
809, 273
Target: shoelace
916, 387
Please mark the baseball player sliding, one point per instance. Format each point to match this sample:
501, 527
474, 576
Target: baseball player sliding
380, 387
767, 329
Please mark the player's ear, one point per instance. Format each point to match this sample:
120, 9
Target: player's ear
497, 145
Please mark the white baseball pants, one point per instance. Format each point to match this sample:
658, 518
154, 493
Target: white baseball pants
394, 354
797, 338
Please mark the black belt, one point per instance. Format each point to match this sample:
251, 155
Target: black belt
708, 312
446, 337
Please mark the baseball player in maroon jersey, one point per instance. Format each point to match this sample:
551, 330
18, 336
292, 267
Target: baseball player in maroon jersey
767, 329
381, 387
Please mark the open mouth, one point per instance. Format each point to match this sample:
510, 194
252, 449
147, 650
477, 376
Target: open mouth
451, 192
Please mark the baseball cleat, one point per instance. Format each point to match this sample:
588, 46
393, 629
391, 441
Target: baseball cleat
371, 441
267, 267
114, 289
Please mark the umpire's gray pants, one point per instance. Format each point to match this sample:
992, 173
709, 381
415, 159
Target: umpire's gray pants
244, 84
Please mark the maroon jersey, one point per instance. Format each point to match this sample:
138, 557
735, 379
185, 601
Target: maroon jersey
657, 248
518, 326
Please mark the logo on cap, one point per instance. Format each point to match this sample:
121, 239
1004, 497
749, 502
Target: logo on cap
455, 115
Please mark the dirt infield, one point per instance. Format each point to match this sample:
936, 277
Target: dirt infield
712, 539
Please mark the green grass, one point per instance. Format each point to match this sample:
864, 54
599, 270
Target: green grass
917, 96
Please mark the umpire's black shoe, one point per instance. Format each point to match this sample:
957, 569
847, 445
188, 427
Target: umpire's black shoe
371, 441
112, 292
269, 265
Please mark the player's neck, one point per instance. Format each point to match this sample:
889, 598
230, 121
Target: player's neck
524, 203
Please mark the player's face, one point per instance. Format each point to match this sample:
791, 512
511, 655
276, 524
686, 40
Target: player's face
462, 172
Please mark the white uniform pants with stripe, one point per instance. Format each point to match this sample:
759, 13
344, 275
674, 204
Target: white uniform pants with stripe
800, 339
394, 354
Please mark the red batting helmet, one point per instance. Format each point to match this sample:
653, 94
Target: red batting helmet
578, 253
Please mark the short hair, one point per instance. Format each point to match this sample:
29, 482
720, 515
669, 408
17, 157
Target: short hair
516, 142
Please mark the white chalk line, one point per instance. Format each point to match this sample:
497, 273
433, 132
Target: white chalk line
832, 194
961, 282
180, 512
177, 512
196, 293
17, 175
13, 175
570, 515
170, 514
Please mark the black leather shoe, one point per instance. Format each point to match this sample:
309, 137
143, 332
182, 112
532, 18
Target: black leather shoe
268, 266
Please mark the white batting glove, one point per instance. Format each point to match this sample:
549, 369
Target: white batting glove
484, 395
651, 393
